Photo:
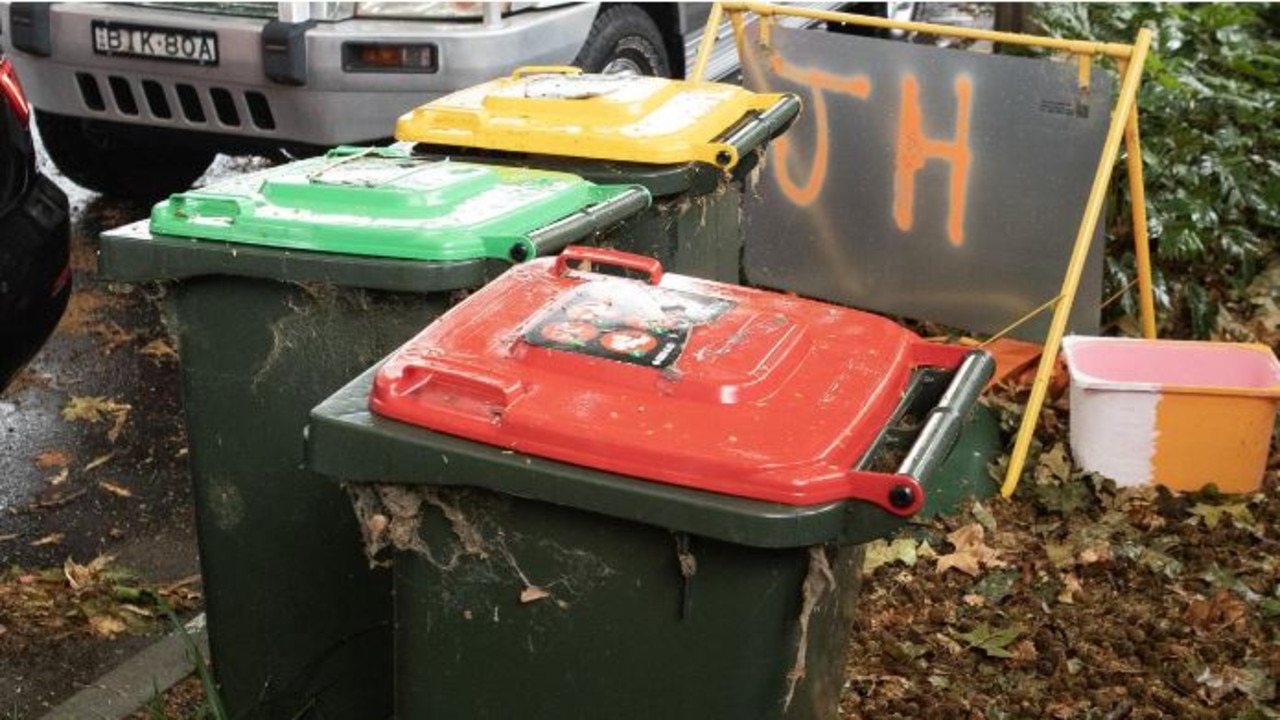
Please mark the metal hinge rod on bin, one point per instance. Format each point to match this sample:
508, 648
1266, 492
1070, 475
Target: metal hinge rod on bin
900, 492
762, 127
584, 223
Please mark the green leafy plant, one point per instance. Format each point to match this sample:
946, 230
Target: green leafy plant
1209, 109
213, 705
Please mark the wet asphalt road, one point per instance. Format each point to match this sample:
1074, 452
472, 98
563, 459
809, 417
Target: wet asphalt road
79, 487
75, 487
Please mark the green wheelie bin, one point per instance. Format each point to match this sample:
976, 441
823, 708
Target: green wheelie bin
645, 497
280, 286
693, 145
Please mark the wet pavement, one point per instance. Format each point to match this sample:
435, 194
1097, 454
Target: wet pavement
93, 454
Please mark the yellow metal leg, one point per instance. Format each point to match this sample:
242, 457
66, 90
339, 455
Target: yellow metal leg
1097, 196
709, 35
1141, 243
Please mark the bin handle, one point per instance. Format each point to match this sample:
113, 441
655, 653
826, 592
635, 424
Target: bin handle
545, 70
491, 393
604, 256
900, 492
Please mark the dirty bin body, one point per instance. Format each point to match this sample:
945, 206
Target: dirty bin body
297, 619
300, 625
621, 627
528, 586
691, 145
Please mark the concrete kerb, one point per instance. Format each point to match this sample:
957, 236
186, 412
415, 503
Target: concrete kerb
137, 680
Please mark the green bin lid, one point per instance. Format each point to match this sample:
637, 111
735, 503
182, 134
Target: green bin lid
387, 203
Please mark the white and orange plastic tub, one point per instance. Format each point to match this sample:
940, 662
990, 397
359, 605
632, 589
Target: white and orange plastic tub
1176, 413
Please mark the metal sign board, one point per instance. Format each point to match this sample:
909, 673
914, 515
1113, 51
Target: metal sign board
929, 183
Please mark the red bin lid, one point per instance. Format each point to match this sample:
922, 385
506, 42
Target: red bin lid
668, 378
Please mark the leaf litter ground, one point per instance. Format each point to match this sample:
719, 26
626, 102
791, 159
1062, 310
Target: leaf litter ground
1074, 600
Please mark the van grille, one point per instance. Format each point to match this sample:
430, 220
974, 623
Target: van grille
264, 10
194, 105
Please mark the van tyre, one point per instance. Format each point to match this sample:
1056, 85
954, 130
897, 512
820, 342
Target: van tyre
624, 39
98, 157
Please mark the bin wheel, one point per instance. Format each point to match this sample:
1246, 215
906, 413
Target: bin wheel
96, 156
624, 40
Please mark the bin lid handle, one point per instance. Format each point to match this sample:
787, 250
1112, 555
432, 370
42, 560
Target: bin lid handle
457, 388
603, 256
545, 70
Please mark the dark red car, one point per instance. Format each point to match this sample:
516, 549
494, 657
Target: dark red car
35, 278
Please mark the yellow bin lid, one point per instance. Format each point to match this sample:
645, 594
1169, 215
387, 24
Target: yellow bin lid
562, 111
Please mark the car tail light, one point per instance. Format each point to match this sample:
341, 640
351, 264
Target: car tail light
12, 91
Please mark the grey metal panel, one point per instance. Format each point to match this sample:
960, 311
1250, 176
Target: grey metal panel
833, 220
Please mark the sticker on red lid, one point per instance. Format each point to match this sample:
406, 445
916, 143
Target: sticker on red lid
641, 325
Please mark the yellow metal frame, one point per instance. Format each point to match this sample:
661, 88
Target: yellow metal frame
1124, 127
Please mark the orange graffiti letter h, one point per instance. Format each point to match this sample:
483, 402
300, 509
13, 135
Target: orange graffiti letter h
914, 150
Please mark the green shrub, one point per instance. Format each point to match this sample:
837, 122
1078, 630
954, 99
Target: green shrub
1210, 122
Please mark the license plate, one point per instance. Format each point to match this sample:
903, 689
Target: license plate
198, 47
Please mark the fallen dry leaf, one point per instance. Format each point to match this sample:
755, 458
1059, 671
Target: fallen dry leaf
1221, 610
140, 612
52, 458
1095, 554
1060, 554
1212, 515
99, 462
95, 409
59, 478
112, 334
971, 553
92, 409
50, 539
1066, 710
57, 498
159, 349
82, 576
115, 489
188, 580
1024, 651
1054, 465
984, 516
951, 646
106, 626
992, 641
118, 426
533, 593
883, 552
1071, 589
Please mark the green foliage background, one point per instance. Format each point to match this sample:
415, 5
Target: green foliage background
1210, 123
